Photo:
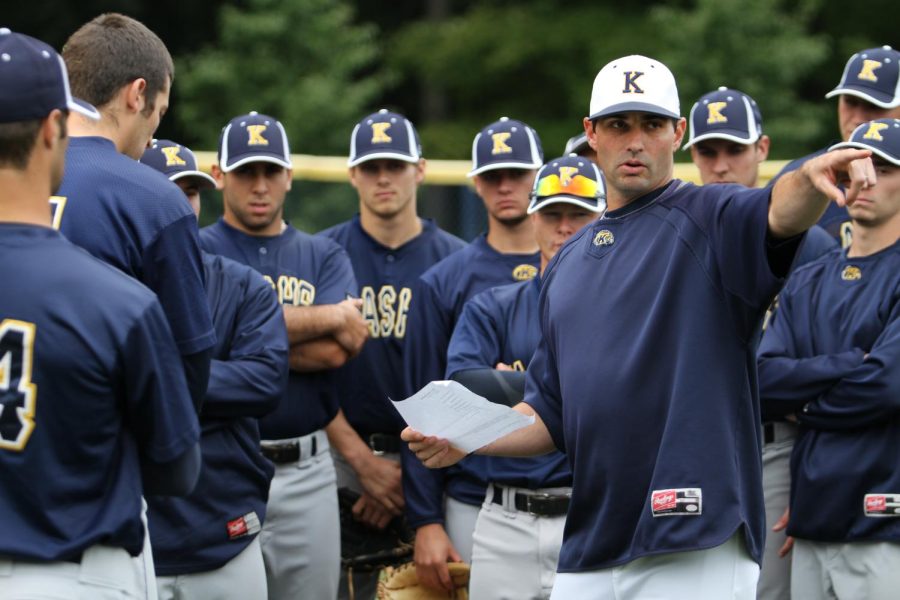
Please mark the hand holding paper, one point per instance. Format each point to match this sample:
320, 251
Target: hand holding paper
446, 409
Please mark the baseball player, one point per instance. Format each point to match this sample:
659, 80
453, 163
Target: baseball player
505, 157
830, 358
205, 545
520, 526
86, 422
727, 144
676, 279
389, 247
869, 89
313, 279
119, 210
578, 144
179, 164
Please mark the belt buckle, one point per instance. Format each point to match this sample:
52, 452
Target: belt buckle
536, 498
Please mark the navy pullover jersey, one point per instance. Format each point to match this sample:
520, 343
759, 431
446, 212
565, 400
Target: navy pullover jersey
646, 372
304, 270
90, 380
502, 325
440, 295
386, 277
832, 355
836, 220
248, 377
132, 217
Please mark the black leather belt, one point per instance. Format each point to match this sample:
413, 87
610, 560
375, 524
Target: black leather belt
542, 505
384, 443
286, 452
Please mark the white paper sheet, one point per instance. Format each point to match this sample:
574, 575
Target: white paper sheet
447, 409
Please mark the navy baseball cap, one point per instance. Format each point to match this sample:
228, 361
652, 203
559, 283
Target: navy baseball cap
384, 134
634, 83
569, 179
34, 81
873, 75
881, 136
175, 162
725, 114
253, 138
576, 144
506, 144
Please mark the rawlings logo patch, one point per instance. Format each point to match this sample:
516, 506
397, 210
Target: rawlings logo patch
676, 502
882, 505
243, 526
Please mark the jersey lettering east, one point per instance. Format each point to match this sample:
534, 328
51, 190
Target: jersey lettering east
293, 291
386, 312
18, 395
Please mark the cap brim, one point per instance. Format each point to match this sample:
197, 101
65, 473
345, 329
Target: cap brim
84, 108
596, 207
624, 107
873, 149
206, 181
884, 101
256, 158
725, 134
384, 155
505, 165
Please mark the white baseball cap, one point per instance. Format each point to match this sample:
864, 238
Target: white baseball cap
635, 83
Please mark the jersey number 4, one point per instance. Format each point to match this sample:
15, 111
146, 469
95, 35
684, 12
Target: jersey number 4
18, 394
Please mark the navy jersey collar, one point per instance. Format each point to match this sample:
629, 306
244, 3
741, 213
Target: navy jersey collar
641, 202
92, 140
482, 243
237, 233
428, 228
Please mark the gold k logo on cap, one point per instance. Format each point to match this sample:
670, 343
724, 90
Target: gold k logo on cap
172, 158
715, 113
867, 72
379, 133
255, 137
874, 131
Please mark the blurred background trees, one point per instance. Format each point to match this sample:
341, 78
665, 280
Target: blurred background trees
454, 65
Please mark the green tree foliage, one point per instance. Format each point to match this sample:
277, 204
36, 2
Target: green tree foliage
298, 60
764, 49
304, 62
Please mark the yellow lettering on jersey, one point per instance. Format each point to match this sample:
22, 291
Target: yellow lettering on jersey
867, 73
294, 291
404, 300
386, 312
57, 206
566, 174
172, 158
500, 145
370, 310
255, 137
524, 272
10, 331
379, 133
518, 366
851, 273
715, 113
846, 234
387, 296
874, 131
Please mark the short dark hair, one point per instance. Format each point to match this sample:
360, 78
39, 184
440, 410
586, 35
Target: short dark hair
111, 51
17, 141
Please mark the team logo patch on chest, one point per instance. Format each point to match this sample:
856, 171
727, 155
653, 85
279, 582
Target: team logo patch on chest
851, 273
524, 272
604, 237
676, 502
244, 526
882, 505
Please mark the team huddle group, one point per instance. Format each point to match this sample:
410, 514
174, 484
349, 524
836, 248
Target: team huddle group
712, 370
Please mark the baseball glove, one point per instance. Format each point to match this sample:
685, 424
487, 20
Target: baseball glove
401, 583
